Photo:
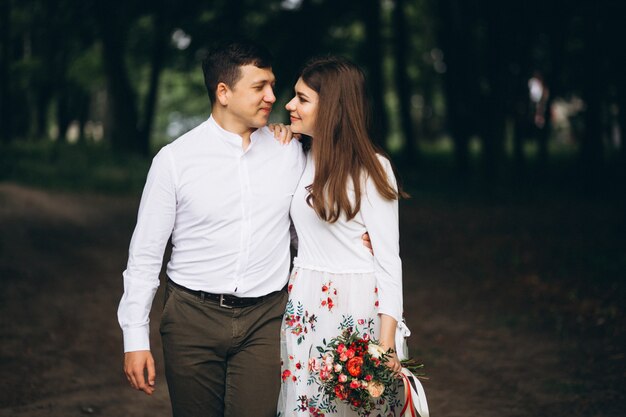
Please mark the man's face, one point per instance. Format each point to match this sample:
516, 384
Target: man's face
250, 100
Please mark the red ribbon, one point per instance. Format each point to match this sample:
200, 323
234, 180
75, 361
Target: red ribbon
408, 398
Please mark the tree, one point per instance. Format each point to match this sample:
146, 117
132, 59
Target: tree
461, 80
5, 81
403, 84
373, 57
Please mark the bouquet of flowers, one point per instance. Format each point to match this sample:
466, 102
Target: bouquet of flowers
352, 370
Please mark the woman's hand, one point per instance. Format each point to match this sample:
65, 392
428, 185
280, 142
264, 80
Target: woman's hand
394, 363
387, 341
282, 132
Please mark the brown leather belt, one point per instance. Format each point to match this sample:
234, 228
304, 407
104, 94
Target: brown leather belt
223, 300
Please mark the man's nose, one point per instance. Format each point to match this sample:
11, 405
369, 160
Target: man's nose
269, 96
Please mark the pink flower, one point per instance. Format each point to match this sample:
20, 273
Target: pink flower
361, 321
314, 365
350, 353
355, 384
342, 378
343, 357
341, 348
338, 368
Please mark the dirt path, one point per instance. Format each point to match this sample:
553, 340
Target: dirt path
61, 257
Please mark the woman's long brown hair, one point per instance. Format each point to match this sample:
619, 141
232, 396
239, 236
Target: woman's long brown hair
342, 147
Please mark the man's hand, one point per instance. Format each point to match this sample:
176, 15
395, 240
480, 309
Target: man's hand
135, 365
282, 132
367, 242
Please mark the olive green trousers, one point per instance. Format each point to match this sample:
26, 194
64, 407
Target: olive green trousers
222, 362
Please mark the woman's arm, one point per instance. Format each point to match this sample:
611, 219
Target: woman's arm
380, 217
388, 340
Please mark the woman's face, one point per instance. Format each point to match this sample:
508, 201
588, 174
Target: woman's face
303, 109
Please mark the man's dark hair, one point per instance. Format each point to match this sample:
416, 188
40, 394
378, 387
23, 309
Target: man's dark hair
222, 63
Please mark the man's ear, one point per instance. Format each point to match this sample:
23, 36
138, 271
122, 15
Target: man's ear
222, 93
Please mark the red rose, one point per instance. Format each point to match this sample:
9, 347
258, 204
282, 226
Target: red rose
286, 374
354, 366
340, 392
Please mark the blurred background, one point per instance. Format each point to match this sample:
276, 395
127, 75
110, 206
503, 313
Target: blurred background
506, 120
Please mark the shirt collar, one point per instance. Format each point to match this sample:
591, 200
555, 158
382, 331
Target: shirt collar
232, 139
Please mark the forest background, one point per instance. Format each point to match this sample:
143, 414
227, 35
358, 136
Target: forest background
506, 121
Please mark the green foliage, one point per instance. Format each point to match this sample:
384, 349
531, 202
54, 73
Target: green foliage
183, 103
90, 167
86, 69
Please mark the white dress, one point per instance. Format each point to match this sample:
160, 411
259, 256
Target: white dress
337, 283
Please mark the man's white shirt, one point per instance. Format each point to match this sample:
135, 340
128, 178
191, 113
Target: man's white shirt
227, 211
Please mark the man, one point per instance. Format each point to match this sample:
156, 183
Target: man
222, 191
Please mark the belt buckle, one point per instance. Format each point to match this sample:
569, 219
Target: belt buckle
222, 302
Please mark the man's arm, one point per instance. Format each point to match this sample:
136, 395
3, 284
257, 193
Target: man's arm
155, 222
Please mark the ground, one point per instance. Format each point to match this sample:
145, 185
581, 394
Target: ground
516, 309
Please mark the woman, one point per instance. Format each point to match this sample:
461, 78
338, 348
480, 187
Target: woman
347, 188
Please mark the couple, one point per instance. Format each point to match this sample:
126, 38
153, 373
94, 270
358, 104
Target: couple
227, 192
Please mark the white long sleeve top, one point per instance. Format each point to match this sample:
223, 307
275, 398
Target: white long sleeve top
338, 247
227, 212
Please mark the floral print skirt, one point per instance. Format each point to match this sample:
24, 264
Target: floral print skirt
321, 305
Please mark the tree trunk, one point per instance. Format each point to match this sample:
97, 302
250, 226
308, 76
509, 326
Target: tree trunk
373, 56
543, 137
519, 134
460, 79
493, 128
403, 84
591, 149
621, 122
62, 98
123, 130
156, 65
5, 58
